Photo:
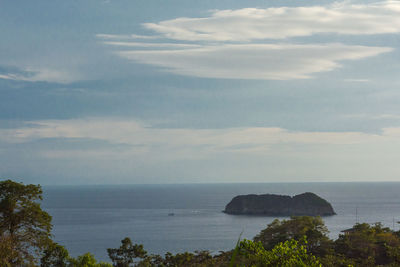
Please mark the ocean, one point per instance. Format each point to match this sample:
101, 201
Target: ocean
96, 217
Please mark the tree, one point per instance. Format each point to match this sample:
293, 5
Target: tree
197, 259
7, 251
296, 228
369, 245
286, 254
55, 255
126, 253
22, 221
86, 260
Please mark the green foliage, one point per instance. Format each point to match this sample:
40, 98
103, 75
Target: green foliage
23, 223
149, 261
334, 260
369, 245
86, 260
249, 253
235, 251
288, 254
296, 228
55, 255
7, 250
202, 258
126, 253
180, 259
197, 259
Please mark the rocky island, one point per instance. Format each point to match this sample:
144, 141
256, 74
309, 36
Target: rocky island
306, 204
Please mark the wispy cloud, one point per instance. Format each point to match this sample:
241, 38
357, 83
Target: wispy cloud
254, 61
283, 22
231, 43
357, 80
132, 132
38, 75
146, 45
124, 36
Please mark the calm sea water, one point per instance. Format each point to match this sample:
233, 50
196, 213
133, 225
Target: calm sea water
94, 218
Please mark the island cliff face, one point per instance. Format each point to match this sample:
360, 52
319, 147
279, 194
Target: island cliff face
306, 204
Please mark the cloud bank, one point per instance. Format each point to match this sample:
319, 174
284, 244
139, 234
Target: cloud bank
283, 22
254, 61
231, 44
100, 149
131, 132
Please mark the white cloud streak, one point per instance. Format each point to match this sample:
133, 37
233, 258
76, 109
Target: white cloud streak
357, 80
224, 42
283, 22
40, 75
134, 133
254, 61
124, 36
152, 45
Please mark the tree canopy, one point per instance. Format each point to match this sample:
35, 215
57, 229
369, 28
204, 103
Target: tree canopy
23, 224
296, 228
126, 253
369, 245
288, 253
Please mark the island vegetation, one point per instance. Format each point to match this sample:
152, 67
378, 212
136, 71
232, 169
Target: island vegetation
308, 204
25, 240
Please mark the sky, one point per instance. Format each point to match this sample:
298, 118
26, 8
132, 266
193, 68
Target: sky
184, 91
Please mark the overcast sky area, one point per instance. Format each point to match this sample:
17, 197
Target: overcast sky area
121, 91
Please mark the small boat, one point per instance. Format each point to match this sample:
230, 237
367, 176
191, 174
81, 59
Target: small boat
171, 214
